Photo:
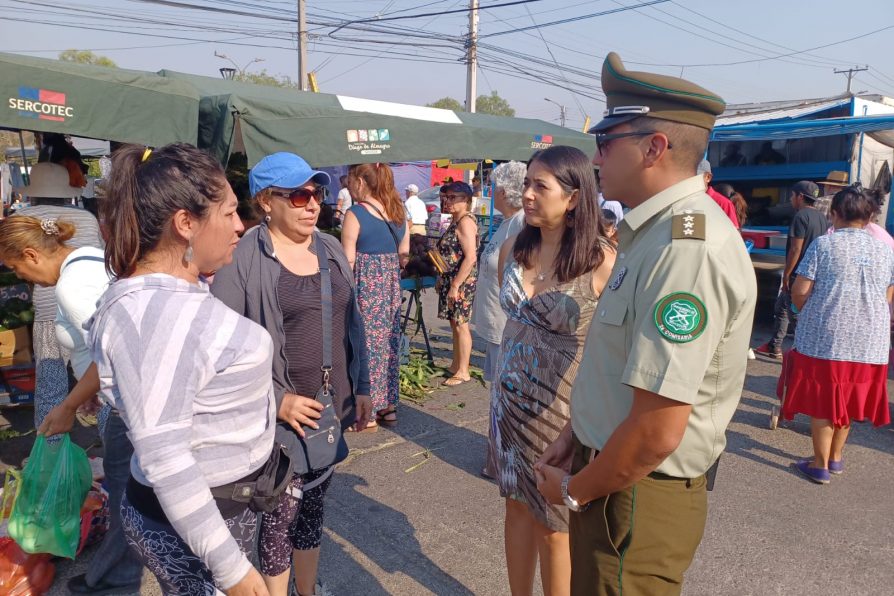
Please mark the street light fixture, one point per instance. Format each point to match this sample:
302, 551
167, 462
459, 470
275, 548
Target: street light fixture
230, 73
561, 110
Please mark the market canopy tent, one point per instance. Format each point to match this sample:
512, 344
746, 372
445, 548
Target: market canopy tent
97, 102
330, 130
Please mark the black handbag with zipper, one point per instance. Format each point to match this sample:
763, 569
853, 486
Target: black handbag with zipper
325, 446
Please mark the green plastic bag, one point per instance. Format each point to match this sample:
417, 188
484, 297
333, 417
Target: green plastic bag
46, 517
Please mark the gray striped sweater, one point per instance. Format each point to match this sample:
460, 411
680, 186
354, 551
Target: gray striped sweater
192, 380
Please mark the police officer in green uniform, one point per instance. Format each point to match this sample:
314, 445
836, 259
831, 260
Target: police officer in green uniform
665, 358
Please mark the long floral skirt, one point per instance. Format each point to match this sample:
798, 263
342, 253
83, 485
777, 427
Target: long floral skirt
378, 296
51, 374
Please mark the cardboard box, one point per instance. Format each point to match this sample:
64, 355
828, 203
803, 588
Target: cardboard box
17, 385
15, 347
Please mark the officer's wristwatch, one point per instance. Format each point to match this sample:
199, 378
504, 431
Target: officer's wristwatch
570, 501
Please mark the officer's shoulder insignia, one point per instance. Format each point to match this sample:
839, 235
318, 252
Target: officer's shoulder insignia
681, 317
688, 225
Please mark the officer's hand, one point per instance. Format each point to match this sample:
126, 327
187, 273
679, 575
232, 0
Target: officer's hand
298, 410
364, 411
558, 453
549, 482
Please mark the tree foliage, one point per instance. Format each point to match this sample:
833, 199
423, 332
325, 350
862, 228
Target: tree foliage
264, 78
446, 103
86, 57
494, 105
491, 104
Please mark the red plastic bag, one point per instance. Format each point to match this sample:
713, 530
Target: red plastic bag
22, 574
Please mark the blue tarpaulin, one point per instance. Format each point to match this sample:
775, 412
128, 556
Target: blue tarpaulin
802, 129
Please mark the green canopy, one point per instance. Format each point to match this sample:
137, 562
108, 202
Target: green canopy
330, 130
97, 102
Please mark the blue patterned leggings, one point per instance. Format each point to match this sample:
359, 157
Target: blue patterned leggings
169, 558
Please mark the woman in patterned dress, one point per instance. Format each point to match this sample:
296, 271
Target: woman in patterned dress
376, 238
838, 369
553, 274
456, 287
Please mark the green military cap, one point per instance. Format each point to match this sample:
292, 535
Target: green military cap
630, 94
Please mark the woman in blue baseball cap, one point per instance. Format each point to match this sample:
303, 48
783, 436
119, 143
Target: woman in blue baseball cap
287, 276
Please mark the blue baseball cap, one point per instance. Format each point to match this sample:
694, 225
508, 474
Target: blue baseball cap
283, 170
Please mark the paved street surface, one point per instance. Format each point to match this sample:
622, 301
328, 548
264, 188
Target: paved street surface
394, 526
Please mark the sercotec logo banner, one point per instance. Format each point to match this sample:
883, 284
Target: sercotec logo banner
42, 104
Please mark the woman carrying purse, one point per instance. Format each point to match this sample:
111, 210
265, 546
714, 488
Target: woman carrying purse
297, 283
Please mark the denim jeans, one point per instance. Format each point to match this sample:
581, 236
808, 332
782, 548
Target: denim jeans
114, 562
782, 316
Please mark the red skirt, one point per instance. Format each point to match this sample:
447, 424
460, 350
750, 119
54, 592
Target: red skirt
833, 390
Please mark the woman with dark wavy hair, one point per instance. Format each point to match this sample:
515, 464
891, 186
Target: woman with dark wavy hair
190, 377
552, 275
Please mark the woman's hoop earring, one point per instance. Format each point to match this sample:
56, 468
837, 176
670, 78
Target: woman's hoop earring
267, 218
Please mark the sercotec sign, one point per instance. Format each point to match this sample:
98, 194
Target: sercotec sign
41, 103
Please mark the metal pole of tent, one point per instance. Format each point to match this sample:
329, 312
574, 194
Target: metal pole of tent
490, 225
26, 176
859, 160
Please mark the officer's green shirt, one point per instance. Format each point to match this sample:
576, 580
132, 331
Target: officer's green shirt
675, 319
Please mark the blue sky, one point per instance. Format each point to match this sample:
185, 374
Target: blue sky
739, 49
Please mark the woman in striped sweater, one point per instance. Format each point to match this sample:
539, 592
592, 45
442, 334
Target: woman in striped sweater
190, 377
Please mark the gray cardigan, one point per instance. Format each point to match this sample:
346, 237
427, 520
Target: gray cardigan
248, 286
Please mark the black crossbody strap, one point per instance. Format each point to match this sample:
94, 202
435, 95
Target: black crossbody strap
326, 302
387, 224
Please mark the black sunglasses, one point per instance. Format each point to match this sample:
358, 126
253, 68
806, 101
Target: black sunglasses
602, 140
300, 197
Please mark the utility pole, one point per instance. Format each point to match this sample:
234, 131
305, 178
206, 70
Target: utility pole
472, 58
302, 45
562, 110
850, 72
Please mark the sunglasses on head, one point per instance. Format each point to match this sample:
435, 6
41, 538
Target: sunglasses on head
300, 197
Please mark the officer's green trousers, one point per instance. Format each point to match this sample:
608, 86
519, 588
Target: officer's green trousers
639, 541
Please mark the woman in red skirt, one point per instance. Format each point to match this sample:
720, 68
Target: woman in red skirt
838, 369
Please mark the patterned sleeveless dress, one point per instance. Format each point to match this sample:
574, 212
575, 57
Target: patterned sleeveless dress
543, 343
452, 252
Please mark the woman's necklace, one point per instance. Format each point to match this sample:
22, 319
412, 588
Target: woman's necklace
542, 273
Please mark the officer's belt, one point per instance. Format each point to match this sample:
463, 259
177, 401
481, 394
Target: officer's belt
591, 453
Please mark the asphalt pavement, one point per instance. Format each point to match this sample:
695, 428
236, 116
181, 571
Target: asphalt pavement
409, 512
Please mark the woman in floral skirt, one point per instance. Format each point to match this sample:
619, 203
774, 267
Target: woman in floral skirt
838, 369
375, 236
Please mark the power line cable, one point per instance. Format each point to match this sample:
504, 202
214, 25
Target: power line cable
575, 19
776, 57
559, 68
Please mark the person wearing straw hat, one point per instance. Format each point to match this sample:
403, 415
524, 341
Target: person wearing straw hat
835, 181
51, 198
665, 359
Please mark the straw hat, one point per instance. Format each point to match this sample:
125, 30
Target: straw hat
835, 178
49, 181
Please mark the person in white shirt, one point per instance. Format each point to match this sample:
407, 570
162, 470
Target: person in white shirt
417, 214
344, 201
40, 250
613, 206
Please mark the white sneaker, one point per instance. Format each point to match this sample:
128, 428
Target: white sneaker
751, 355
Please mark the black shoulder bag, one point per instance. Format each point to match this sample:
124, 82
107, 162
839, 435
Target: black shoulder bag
325, 446
319, 449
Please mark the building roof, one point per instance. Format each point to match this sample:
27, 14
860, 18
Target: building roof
746, 113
